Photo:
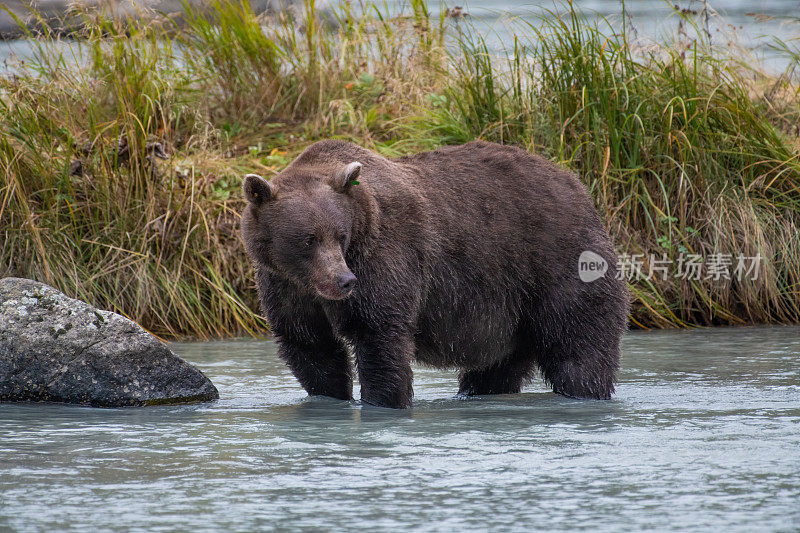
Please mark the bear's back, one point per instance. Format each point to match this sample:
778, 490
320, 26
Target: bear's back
501, 199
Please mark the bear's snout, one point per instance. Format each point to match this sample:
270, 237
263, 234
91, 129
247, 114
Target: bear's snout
338, 287
331, 276
346, 282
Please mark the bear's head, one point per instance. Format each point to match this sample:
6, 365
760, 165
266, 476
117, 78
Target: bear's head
300, 225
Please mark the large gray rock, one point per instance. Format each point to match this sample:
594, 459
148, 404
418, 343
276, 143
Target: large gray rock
54, 348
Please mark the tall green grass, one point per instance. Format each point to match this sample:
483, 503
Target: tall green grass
685, 148
681, 148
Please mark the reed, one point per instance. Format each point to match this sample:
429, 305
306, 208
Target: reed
686, 148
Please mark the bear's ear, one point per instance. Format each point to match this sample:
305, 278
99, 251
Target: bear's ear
347, 177
256, 189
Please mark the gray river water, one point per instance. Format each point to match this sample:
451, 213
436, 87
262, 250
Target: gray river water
704, 434
753, 24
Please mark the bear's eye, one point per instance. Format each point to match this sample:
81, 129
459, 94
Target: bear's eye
341, 239
309, 241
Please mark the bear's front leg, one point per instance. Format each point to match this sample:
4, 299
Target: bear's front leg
322, 368
384, 369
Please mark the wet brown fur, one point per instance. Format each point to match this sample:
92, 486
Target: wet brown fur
465, 257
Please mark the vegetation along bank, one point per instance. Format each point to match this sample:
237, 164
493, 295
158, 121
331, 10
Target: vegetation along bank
122, 155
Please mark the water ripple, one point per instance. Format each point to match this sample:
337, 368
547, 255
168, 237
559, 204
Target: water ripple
703, 434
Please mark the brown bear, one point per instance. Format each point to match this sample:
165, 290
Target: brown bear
464, 257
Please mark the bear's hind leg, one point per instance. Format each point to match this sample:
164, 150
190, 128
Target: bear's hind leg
505, 377
587, 376
578, 347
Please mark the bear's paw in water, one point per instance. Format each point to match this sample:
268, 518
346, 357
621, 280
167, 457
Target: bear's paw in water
54, 348
468, 257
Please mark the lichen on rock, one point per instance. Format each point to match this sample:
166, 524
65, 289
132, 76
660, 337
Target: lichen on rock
55, 348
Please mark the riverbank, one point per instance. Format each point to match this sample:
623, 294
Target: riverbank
18, 19
121, 178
